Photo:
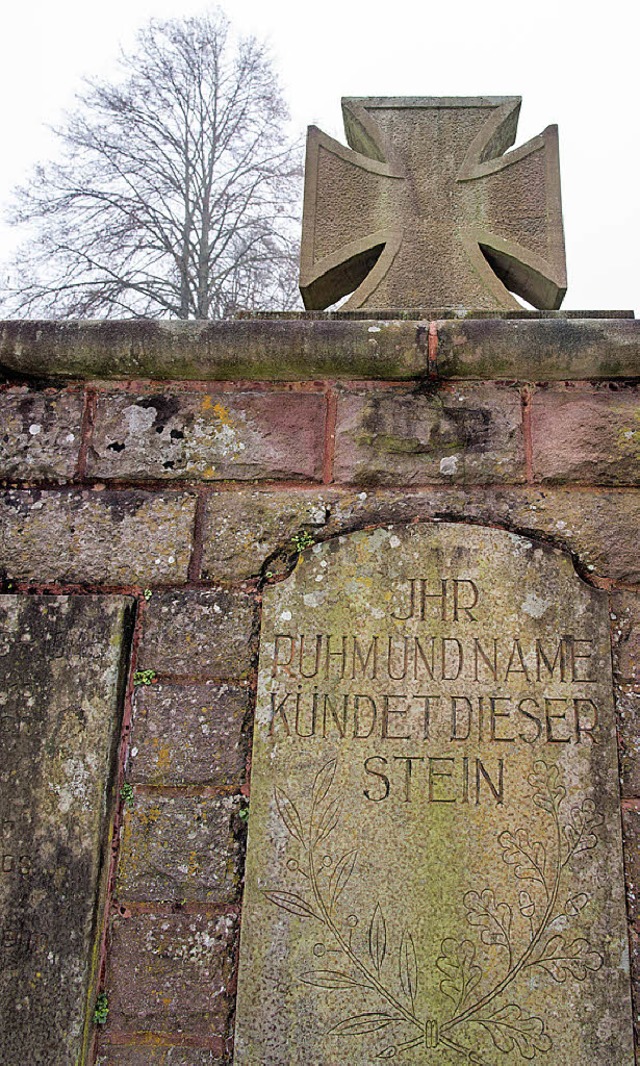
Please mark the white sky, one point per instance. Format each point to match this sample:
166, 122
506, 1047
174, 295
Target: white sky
574, 63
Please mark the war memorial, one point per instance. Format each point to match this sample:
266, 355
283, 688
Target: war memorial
319, 643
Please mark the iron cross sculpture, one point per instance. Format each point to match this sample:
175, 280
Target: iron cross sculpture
424, 210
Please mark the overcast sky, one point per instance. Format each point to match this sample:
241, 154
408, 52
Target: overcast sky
573, 63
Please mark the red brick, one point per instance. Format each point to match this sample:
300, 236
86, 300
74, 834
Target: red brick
206, 633
586, 433
466, 434
171, 974
209, 436
189, 734
180, 848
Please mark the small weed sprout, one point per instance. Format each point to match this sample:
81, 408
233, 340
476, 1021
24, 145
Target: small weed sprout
243, 814
126, 795
147, 594
302, 540
144, 677
101, 1012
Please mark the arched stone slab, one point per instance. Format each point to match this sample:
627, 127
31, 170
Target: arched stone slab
434, 861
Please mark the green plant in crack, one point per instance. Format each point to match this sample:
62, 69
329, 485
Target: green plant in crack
126, 795
484, 1001
144, 677
101, 1011
301, 540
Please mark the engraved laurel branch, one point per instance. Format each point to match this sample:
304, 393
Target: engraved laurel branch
538, 865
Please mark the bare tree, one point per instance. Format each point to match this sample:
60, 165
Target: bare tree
176, 192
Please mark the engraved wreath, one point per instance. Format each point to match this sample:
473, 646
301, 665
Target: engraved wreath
393, 976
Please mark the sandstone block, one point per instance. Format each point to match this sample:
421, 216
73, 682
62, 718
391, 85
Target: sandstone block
189, 734
209, 436
206, 633
628, 718
631, 838
176, 848
243, 529
586, 433
115, 538
41, 433
634, 937
147, 1055
434, 725
62, 660
171, 973
599, 529
625, 628
467, 434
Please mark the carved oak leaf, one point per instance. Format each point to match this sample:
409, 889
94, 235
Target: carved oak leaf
580, 833
494, 919
461, 974
511, 1027
527, 856
560, 959
549, 791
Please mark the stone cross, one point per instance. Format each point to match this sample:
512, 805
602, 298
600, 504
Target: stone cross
425, 210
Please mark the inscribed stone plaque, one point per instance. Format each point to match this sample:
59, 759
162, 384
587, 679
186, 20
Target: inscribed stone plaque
434, 870
61, 665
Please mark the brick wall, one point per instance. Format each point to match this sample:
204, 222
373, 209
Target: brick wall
179, 463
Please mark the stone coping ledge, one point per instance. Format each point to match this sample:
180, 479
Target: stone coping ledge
430, 313
311, 348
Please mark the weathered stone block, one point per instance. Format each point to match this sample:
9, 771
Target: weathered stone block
628, 717
243, 529
212, 436
466, 434
435, 809
41, 433
148, 1055
625, 628
586, 433
189, 734
599, 529
176, 848
631, 837
554, 349
114, 538
634, 937
62, 662
171, 973
205, 633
